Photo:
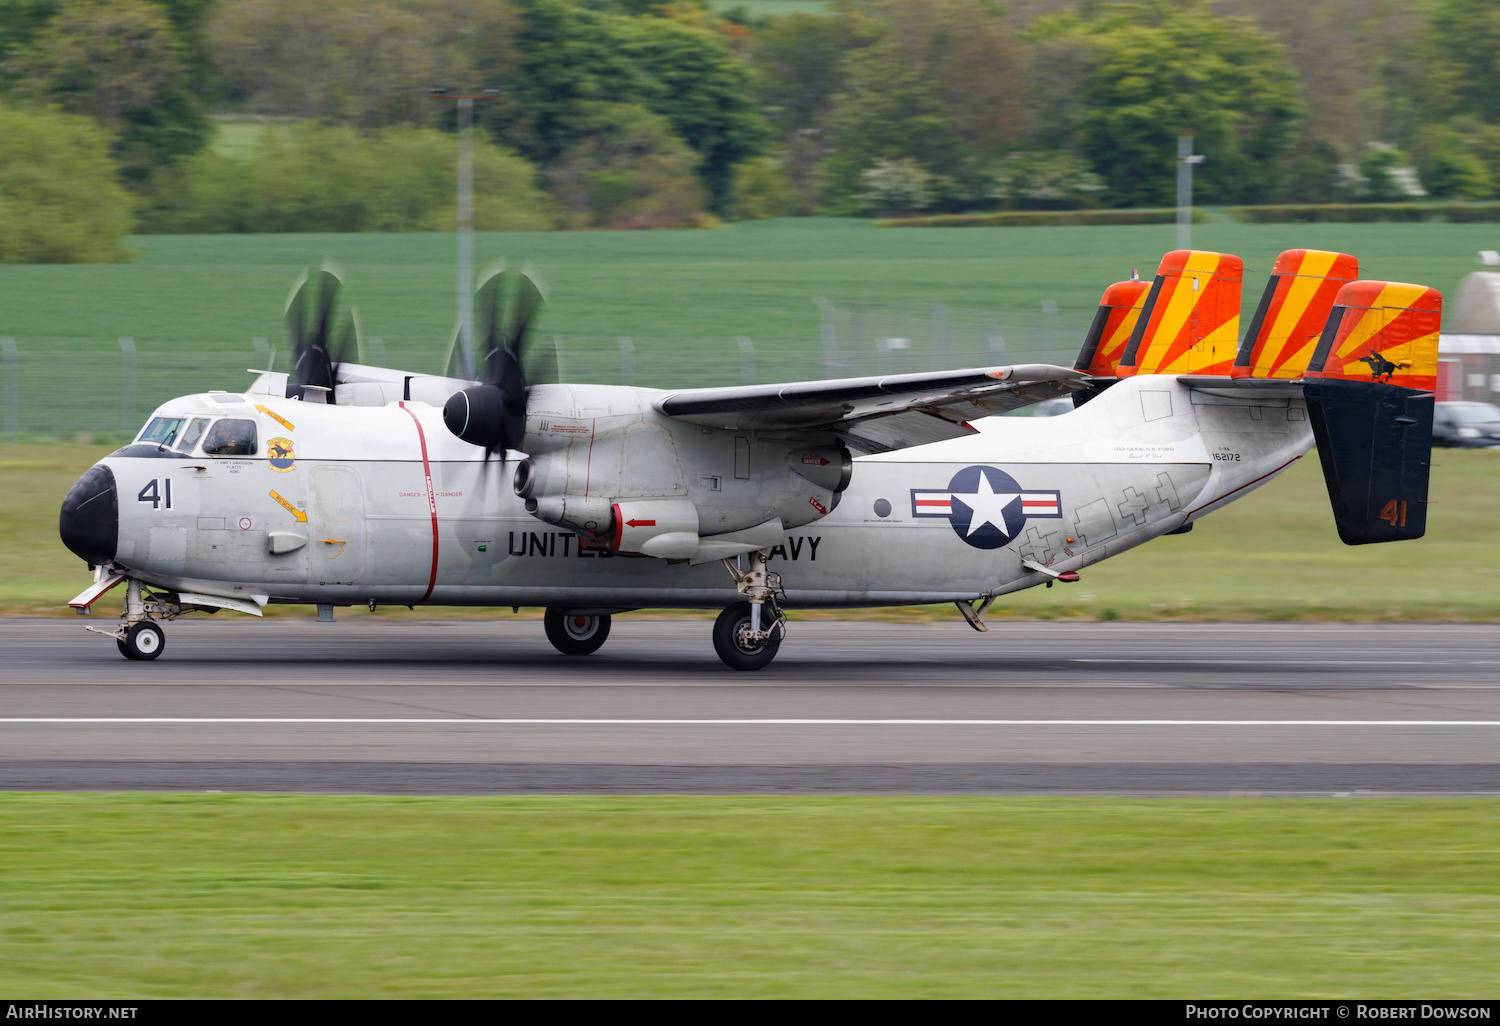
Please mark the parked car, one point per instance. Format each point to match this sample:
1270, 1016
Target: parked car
1466, 425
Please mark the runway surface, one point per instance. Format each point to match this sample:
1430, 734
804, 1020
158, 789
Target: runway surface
384, 706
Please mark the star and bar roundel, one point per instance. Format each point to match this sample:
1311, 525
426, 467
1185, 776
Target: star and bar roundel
984, 506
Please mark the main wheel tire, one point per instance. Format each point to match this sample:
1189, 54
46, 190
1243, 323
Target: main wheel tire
143, 641
572, 634
729, 642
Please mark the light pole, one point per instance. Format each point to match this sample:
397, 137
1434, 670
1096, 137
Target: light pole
1186, 158
465, 283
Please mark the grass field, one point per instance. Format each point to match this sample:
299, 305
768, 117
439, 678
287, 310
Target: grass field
232, 896
193, 303
1272, 555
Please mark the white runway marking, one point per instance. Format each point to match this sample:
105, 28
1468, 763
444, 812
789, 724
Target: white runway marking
451, 721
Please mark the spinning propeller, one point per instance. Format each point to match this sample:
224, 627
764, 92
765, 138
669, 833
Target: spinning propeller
492, 414
319, 338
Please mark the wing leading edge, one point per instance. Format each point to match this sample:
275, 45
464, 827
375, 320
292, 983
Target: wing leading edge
877, 414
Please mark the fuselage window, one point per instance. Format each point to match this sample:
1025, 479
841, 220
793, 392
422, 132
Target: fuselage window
231, 438
192, 434
162, 431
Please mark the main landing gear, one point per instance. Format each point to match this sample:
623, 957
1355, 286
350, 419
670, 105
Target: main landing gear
748, 634
575, 633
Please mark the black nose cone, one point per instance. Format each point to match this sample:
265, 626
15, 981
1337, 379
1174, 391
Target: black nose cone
90, 520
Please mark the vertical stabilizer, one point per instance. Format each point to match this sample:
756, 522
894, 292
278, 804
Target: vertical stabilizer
1191, 320
1292, 313
1369, 400
1113, 325
1384, 331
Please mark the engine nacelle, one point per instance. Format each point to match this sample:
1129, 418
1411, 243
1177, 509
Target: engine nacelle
828, 466
601, 457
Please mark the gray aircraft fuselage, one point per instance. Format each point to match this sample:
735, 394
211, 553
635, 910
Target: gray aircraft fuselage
382, 504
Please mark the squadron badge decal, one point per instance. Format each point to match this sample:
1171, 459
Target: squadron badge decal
280, 455
984, 506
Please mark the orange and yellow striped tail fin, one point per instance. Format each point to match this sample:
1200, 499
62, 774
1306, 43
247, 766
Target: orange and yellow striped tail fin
1384, 331
1293, 311
1191, 320
1113, 325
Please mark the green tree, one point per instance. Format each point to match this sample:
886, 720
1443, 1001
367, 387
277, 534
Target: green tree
1380, 169
60, 202
368, 63
1312, 173
761, 190
1047, 181
627, 170
1465, 34
798, 63
331, 178
939, 86
122, 63
570, 58
1165, 66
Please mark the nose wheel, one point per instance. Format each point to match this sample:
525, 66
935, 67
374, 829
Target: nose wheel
138, 636
574, 633
144, 640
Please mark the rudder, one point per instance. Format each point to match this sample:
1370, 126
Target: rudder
1114, 322
1292, 313
1191, 320
1369, 399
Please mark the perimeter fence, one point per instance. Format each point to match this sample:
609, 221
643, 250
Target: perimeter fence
101, 390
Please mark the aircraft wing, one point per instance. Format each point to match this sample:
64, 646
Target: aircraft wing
877, 414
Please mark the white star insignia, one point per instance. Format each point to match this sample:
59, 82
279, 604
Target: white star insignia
988, 506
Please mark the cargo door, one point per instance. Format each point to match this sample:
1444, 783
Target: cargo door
336, 525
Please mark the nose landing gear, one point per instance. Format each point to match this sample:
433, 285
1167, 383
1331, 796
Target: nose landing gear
139, 636
144, 640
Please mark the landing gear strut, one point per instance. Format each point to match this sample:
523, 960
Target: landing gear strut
747, 634
575, 633
139, 636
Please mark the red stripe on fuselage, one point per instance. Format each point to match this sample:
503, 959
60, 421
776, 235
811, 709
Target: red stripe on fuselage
431, 503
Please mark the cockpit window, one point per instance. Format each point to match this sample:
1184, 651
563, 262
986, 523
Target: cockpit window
231, 438
162, 431
191, 435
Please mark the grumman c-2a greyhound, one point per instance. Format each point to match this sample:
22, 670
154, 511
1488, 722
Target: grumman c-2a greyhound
341, 483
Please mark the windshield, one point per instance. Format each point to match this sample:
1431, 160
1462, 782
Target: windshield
231, 438
162, 430
1472, 413
192, 434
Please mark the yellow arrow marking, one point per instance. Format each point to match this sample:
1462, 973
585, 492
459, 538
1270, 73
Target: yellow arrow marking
278, 418
293, 510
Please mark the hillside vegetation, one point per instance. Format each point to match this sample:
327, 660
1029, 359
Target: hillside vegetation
274, 115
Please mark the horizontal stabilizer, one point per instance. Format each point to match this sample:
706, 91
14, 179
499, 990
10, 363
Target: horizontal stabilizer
1292, 312
1191, 320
